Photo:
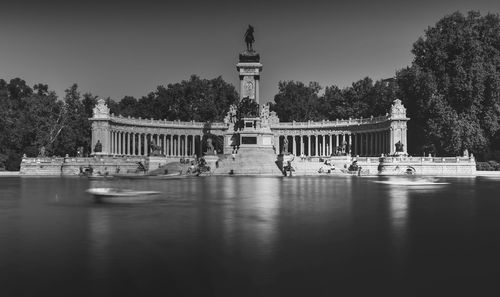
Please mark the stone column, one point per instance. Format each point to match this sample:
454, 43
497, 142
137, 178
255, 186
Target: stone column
111, 145
119, 146
372, 144
330, 151
185, 145
322, 145
294, 149
132, 139
316, 145
361, 144
178, 145
192, 145
308, 145
146, 151
392, 149
170, 144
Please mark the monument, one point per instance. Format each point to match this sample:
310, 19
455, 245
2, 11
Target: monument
249, 68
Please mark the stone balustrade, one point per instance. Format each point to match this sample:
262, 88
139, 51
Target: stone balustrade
331, 124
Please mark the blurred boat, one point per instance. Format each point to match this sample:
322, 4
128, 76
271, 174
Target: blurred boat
145, 176
412, 182
114, 195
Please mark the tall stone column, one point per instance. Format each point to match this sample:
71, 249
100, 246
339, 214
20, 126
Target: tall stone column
330, 151
146, 151
316, 145
170, 144
192, 145
139, 144
372, 144
178, 145
133, 144
323, 147
294, 149
392, 148
309, 145
185, 145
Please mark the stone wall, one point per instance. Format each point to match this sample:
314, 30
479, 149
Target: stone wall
428, 166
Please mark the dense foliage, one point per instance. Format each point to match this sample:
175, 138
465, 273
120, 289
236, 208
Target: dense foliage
32, 118
452, 87
451, 91
296, 101
195, 99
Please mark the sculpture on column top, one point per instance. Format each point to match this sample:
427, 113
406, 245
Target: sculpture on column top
398, 110
101, 110
249, 39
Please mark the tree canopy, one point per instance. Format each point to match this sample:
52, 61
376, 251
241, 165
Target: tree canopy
196, 99
452, 87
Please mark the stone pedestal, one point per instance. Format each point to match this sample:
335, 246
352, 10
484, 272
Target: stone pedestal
249, 68
211, 161
155, 162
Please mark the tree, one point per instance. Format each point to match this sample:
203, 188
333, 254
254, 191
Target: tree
297, 102
75, 128
451, 88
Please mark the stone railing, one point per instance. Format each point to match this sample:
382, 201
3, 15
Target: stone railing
427, 159
40, 160
337, 123
165, 123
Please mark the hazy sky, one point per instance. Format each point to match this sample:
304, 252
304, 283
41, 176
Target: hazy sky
130, 47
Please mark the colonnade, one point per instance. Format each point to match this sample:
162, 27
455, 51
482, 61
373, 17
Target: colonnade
139, 144
373, 143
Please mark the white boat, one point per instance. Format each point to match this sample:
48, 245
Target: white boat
418, 182
114, 195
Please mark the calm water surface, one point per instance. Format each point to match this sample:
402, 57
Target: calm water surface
248, 236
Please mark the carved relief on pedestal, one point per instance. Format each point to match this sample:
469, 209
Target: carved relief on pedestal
249, 87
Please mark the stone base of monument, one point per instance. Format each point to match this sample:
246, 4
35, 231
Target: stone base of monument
155, 162
249, 161
400, 154
211, 161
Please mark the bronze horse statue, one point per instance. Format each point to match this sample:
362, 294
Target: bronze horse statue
249, 39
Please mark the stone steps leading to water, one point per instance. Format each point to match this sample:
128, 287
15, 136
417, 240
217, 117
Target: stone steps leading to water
260, 161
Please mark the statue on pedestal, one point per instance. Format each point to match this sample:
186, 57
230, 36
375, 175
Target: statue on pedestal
154, 149
399, 146
249, 39
41, 152
98, 147
210, 147
284, 150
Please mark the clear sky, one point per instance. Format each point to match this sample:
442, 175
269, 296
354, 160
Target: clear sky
130, 47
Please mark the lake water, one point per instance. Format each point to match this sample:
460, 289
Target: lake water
251, 236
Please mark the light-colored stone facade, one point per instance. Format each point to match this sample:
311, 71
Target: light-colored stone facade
362, 137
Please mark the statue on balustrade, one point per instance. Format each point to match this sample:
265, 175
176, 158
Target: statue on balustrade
210, 147
284, 150
79, 151
41, 152
399, 146
154, 149
98, 147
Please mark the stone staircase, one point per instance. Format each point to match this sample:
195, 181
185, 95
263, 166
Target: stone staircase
251, 161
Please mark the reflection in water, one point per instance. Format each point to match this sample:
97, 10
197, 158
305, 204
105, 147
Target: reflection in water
99, 229
399, 212
259, 200
399, 199
267, 203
